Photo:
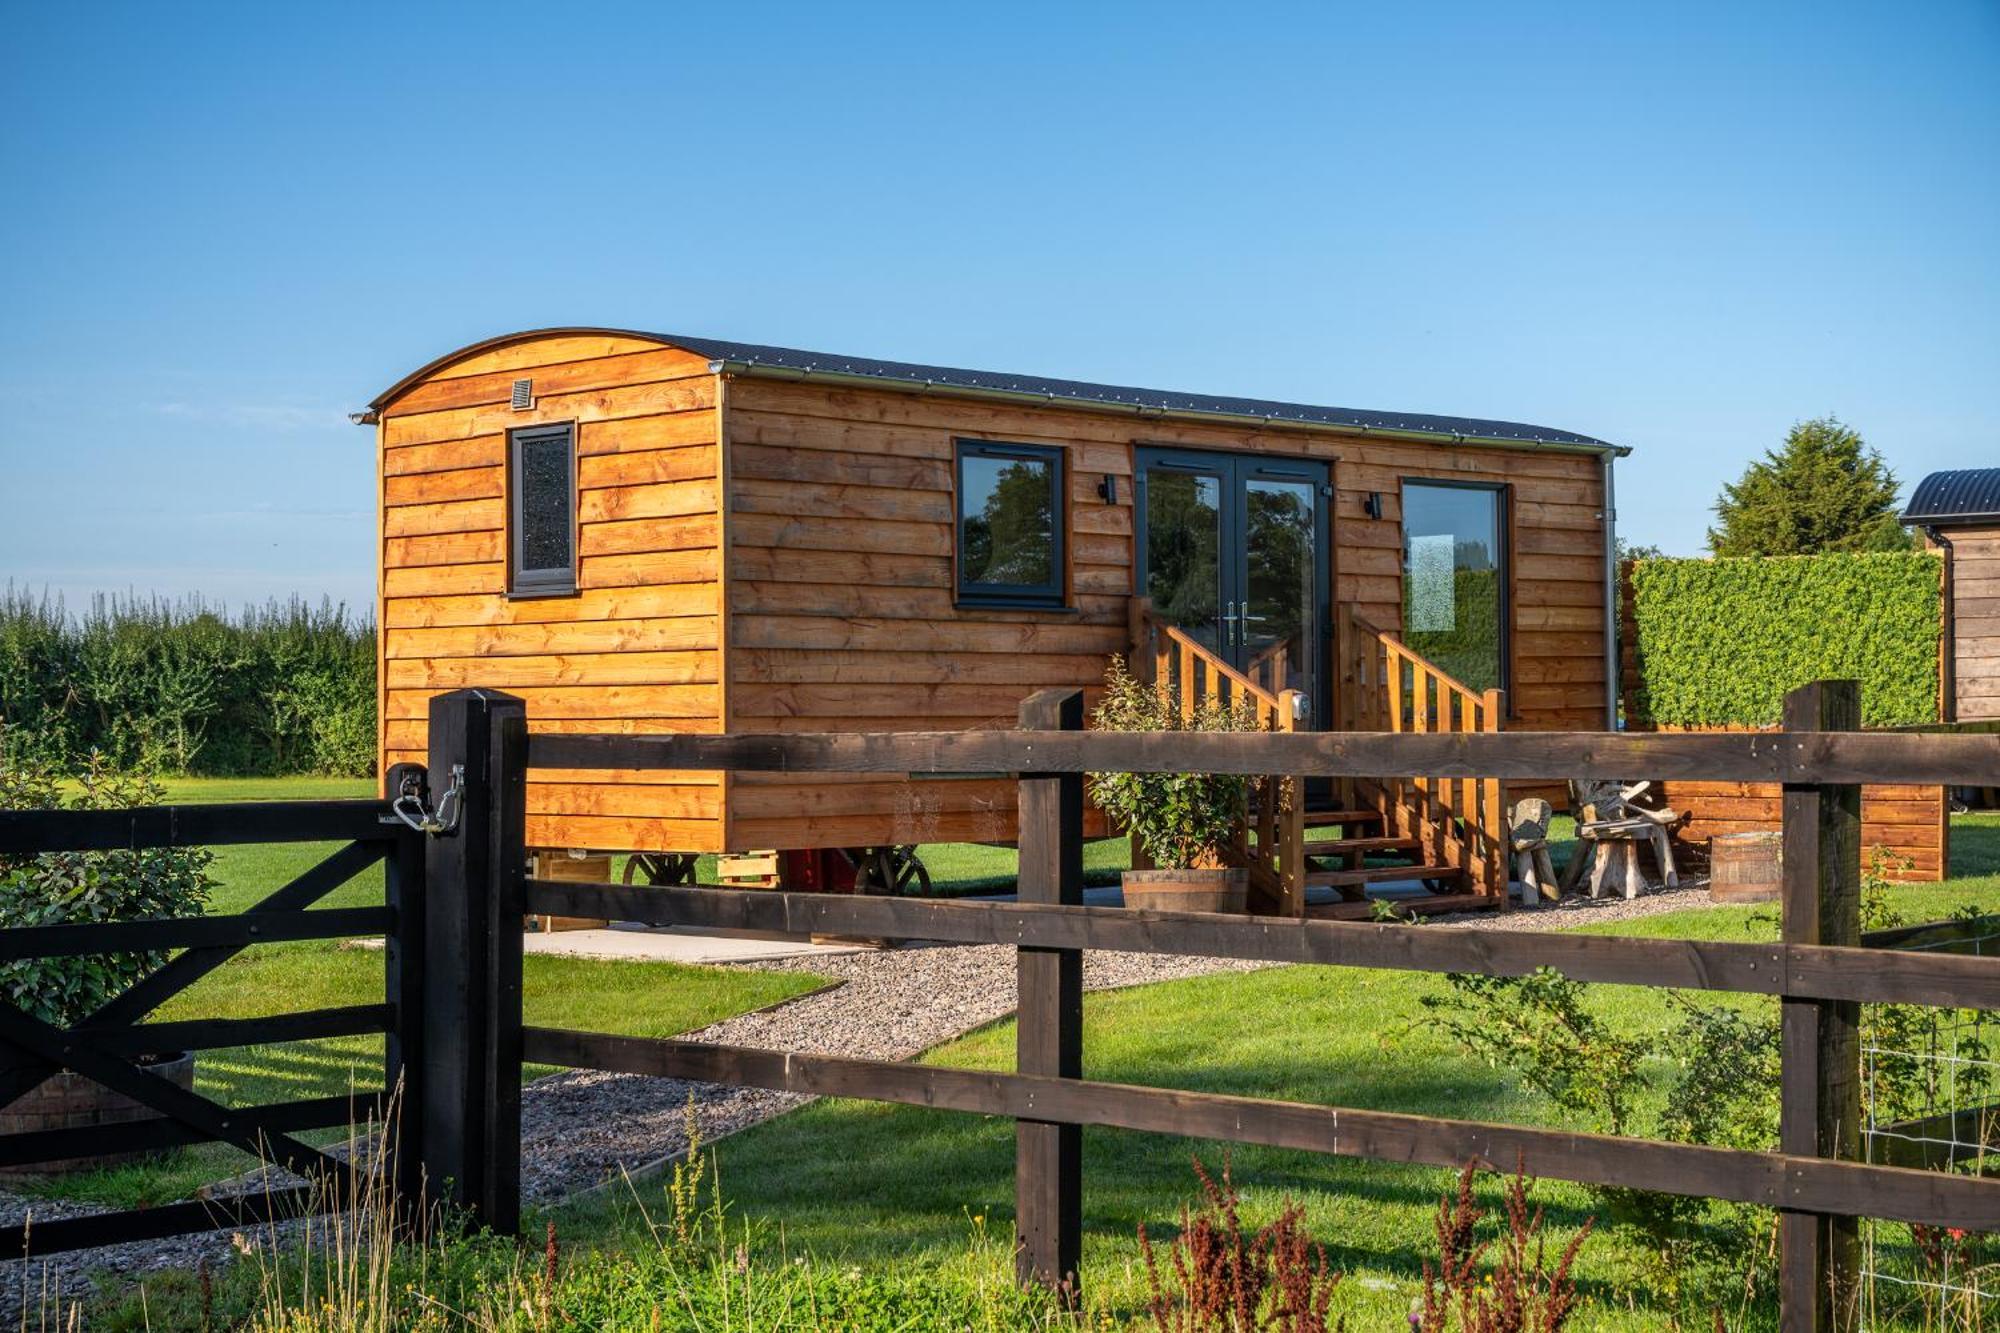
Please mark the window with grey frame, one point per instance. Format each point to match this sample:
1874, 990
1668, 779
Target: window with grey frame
1456, 606
541, 510
1010, 524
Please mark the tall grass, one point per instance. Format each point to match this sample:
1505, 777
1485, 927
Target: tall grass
183, 687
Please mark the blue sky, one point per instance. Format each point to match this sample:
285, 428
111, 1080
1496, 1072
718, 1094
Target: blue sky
1678, 227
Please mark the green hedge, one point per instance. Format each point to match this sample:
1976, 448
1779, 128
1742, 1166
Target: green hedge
1721, 641
179, 688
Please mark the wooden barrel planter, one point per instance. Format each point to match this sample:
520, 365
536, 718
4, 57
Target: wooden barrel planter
1187, 890
1745, 867
71, 1101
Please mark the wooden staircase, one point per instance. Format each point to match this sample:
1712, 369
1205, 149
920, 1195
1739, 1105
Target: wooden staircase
1448, 833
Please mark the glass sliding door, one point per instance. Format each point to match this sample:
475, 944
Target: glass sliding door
1455, 578
1233, 551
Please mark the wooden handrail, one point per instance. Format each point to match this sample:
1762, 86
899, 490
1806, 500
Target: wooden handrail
1458, 821
1272, 847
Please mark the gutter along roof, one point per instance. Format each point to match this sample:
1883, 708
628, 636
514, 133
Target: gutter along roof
760, 361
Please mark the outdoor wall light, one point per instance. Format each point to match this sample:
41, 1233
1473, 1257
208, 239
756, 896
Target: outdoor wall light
1372, 506
1108, 488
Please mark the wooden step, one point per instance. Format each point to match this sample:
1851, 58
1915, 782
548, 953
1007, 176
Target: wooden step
1340, 846
1331, 815
1379, 874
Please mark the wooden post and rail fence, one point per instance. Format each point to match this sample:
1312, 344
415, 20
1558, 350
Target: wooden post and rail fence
459, 889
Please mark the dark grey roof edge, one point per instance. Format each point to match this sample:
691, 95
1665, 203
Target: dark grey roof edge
1962, 495
794, 363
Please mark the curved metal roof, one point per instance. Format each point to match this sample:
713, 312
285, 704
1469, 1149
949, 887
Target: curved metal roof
1964, 496
793, 363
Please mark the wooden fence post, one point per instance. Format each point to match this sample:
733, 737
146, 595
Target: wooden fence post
1820, 1112
469, 1101
403, 990
1048, 1158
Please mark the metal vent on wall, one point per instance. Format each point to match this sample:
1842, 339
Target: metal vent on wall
524, 395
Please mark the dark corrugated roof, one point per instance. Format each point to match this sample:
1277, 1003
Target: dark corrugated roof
1113, 395
1956, 497
754, 358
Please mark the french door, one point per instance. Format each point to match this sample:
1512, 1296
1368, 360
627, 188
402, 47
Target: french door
1233, 551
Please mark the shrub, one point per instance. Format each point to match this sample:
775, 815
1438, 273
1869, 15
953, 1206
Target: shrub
1183, 820
1220, 1279
1719, 642
58, 888
179, 687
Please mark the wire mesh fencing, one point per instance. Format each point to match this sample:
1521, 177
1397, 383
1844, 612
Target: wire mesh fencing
1931, 1079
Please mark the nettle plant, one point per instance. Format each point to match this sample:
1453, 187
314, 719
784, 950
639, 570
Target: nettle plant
1183, 820
62, 888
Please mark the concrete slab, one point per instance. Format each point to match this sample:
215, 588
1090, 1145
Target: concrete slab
677, 944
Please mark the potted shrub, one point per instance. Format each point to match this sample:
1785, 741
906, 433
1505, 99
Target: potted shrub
1183, 822
55, 888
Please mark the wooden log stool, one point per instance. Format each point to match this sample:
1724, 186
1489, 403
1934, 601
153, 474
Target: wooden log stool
1612, 826
1528, 838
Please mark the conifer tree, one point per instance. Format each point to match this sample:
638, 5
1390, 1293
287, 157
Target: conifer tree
1825, 490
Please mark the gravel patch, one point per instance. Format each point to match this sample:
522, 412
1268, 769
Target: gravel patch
1570, 912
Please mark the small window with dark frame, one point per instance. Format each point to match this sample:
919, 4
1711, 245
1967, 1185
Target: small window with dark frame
541, 510
1010, 524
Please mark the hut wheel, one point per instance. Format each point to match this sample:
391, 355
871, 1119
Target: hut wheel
890, 870
661, 869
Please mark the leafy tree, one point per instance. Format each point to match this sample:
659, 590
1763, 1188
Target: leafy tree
1825, 490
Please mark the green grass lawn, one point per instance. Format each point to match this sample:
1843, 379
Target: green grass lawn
888, 1186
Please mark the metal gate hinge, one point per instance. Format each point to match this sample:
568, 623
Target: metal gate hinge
439, 819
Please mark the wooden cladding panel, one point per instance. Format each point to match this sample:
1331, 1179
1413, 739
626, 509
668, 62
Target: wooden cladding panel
1975, 624
638, 650
1908, 823
839, 568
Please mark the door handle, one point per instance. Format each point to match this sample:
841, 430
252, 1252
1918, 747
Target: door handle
1229, 619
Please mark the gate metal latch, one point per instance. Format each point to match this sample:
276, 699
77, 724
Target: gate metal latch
441, 818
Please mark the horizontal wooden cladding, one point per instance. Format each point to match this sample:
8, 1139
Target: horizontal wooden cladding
635, 400
497, 643
752, 700
759, 462
834, 666
843, 535
686, 433
1908, 823
755, 596
839, 500
550, 380
1774, 757
789, 429
815, 416
617, 833
794, 832
636, 536
675, 481
1802, 971
603, 605
407, 739
623, 667
699, 801
628, 702
805, 566
947, 637
545, 350
489, 578
795, 796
